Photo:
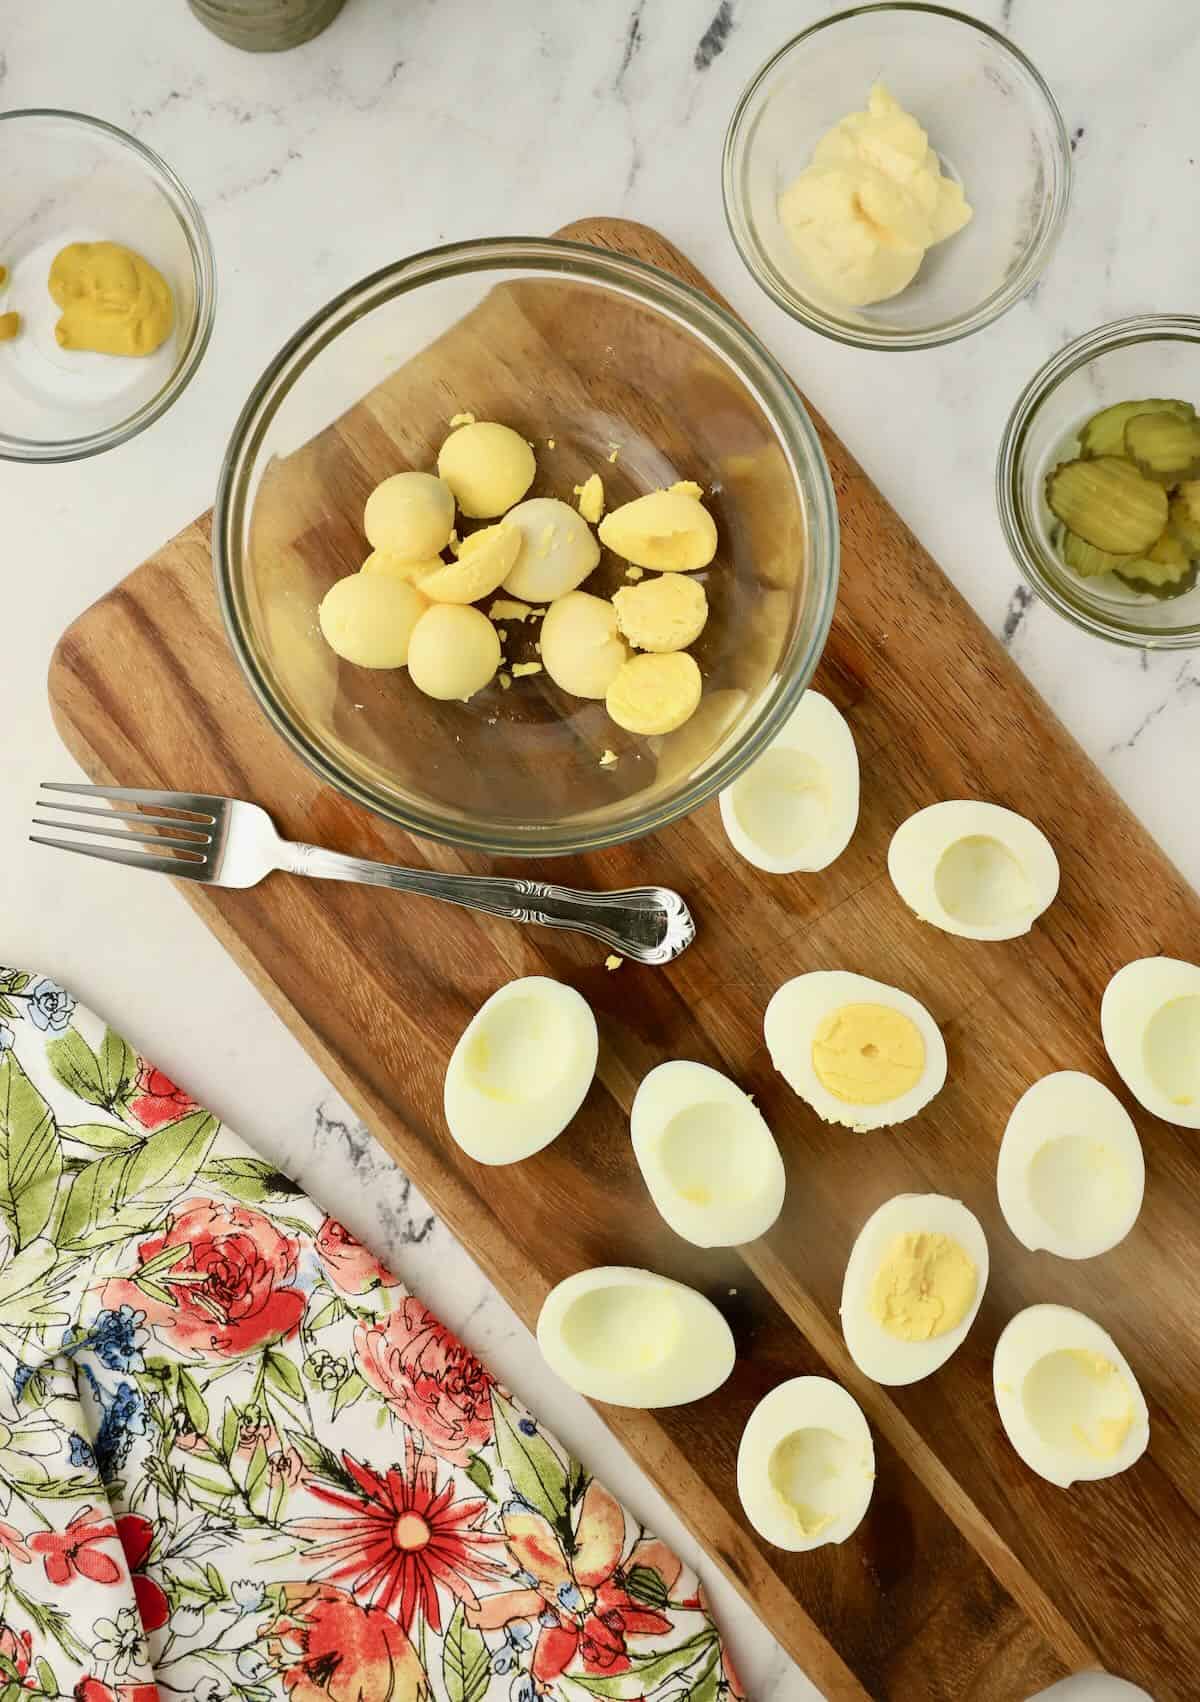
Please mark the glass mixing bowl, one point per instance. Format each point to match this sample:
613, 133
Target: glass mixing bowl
1152, 355
991, 120
71, 178
606, 365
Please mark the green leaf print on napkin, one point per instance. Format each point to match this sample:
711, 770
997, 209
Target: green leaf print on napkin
466, 1661
538, 1475
30, 1154
106, 1078
124, 1193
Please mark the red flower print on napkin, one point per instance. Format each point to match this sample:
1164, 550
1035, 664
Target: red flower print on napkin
350, 1266
73, 1553
586, 1612
402, 1536
239, 1295
156, 1100
17, 1648
331, 1649
431, 1381
136, 1535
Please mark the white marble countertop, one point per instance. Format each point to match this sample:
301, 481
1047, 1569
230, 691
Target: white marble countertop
412, 122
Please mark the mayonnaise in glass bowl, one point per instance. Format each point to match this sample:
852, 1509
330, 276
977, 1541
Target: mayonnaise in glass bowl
991, 120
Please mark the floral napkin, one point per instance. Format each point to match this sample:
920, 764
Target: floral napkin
239, 1460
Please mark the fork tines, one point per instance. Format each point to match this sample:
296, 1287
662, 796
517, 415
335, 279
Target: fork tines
182, 842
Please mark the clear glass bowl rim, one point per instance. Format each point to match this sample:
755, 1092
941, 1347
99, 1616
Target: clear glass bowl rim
204, 272
653, 287
994, 305
1116, 334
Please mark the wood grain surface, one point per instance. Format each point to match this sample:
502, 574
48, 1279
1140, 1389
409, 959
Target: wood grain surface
971, 1580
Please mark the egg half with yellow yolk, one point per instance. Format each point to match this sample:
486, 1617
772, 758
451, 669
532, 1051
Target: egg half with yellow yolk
1067, 1397
521, 1070
806, 1464
1150, 1021
913, 1284
859, 1052
634, 1339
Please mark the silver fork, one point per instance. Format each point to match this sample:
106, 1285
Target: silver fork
224, 842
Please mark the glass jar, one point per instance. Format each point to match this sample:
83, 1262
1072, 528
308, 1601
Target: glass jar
266, 26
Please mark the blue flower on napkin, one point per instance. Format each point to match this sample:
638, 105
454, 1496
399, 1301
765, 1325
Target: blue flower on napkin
6, 1038
50, 1006
117, 1339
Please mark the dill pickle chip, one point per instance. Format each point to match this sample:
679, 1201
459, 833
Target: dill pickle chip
1166, 564
1164, 447
1108, 503
1185, 515
1104, 433
1088, 561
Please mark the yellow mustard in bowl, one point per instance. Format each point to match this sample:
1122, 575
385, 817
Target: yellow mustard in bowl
113, 300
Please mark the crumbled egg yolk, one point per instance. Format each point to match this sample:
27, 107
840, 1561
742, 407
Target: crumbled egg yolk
591, 498
461, 419
613, 962
608, 759
524, 668
509, 609
1107, 1435
923, 1288
867, 1054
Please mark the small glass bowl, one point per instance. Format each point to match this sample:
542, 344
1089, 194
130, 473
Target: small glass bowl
605, 364
1151, 355
71, 178
992, 121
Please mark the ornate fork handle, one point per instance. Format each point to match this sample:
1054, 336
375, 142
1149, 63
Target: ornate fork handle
651, 924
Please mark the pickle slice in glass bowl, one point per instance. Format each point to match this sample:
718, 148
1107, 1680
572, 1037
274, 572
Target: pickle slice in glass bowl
1104, 433
1164, 447
1108, 503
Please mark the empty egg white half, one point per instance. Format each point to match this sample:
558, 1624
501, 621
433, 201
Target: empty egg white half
706, 1155
977, 870
634, 1339
1150, 1021
796, 806
913, 1284
1070, 1174
1068, 1400
806, 1464
859, 1052
521, 1070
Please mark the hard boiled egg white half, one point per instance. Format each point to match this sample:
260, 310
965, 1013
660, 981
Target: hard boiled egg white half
796, 806
1070, 1175
914, 1281
1150, 1020
859, 1052
521, 1069
973, 869
634, 1339
1068, 1401
706, 1155
806, 1464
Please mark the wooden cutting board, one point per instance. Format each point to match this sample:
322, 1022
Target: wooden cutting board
971, 1580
